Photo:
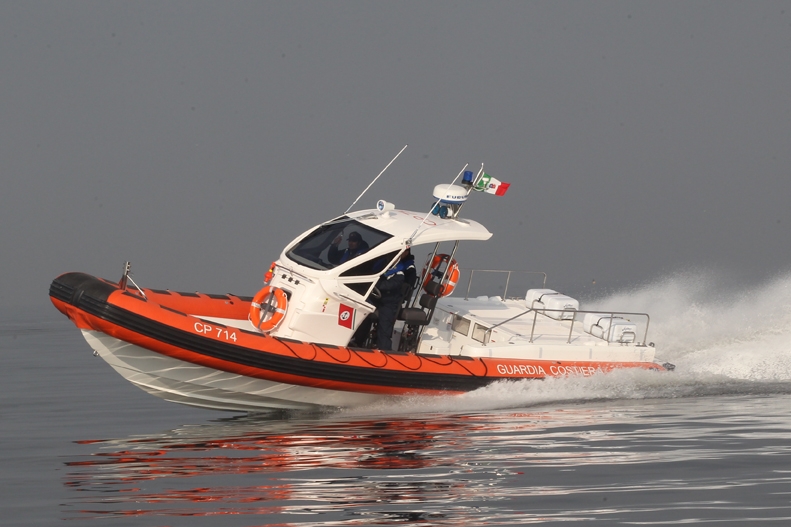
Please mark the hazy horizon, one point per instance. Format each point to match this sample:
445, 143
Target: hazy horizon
195, 139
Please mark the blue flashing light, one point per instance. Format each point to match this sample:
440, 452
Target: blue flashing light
467, 177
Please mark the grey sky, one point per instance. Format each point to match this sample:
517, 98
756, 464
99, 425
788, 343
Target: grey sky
196, 139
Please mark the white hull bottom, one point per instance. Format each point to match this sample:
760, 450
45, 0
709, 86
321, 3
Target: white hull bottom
186, 383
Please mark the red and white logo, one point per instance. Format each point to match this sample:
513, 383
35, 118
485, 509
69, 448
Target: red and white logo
346, 316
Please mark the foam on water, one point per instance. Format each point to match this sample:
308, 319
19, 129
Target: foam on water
723, 341
704, 326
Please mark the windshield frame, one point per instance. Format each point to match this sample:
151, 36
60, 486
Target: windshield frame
315, 249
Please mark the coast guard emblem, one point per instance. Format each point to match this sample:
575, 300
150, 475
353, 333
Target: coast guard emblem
346, 316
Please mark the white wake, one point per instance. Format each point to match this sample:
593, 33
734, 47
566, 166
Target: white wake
723, 340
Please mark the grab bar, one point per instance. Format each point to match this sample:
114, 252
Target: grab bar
507, 278
610, 314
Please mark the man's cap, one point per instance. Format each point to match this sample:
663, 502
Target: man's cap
354, 237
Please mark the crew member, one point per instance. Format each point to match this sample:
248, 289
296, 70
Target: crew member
355, 246
391, 285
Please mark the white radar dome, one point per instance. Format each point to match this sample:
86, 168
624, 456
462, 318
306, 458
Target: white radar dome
453, 194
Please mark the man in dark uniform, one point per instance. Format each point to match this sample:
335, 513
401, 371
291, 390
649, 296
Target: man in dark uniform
391, 285
355, 246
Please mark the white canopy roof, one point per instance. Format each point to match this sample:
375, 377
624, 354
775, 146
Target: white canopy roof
402, 224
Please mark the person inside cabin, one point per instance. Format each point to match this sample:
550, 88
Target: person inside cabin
392, 287
355, 246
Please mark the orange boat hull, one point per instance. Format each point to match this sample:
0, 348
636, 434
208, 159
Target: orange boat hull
182, 327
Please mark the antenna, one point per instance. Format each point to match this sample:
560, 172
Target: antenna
411, 237
374, 181
477, 179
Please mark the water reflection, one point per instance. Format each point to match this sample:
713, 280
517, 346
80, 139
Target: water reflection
246, 445
497, 468
310, 465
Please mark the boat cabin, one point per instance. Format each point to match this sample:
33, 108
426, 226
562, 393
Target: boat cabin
329, 273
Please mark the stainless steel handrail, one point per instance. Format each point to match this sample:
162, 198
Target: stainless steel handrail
507, 279
610, 314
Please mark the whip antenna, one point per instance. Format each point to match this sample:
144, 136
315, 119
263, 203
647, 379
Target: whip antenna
374, 181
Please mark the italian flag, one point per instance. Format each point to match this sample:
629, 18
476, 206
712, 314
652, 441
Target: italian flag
491, 185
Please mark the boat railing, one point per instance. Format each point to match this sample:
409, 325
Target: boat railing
507, 278
605, 314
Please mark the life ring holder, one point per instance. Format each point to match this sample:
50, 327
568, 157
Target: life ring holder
452, 272
268, 308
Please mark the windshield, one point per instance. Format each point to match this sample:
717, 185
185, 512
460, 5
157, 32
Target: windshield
336, 243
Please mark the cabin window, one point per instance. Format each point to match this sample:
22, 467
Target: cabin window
361, 288
317, 251
479, 332
460, 325
372, 266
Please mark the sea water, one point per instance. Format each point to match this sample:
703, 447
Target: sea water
709, 443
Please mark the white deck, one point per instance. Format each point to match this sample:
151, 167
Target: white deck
549, 339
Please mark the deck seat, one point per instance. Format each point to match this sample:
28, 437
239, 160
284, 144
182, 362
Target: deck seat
416, 315
421, 316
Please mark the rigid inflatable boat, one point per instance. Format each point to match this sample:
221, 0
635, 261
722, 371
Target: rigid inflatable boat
293, 344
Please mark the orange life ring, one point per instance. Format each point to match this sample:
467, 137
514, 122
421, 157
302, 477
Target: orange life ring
451, 275
268, 308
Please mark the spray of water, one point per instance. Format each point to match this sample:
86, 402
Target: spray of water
705, 326
723, 340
